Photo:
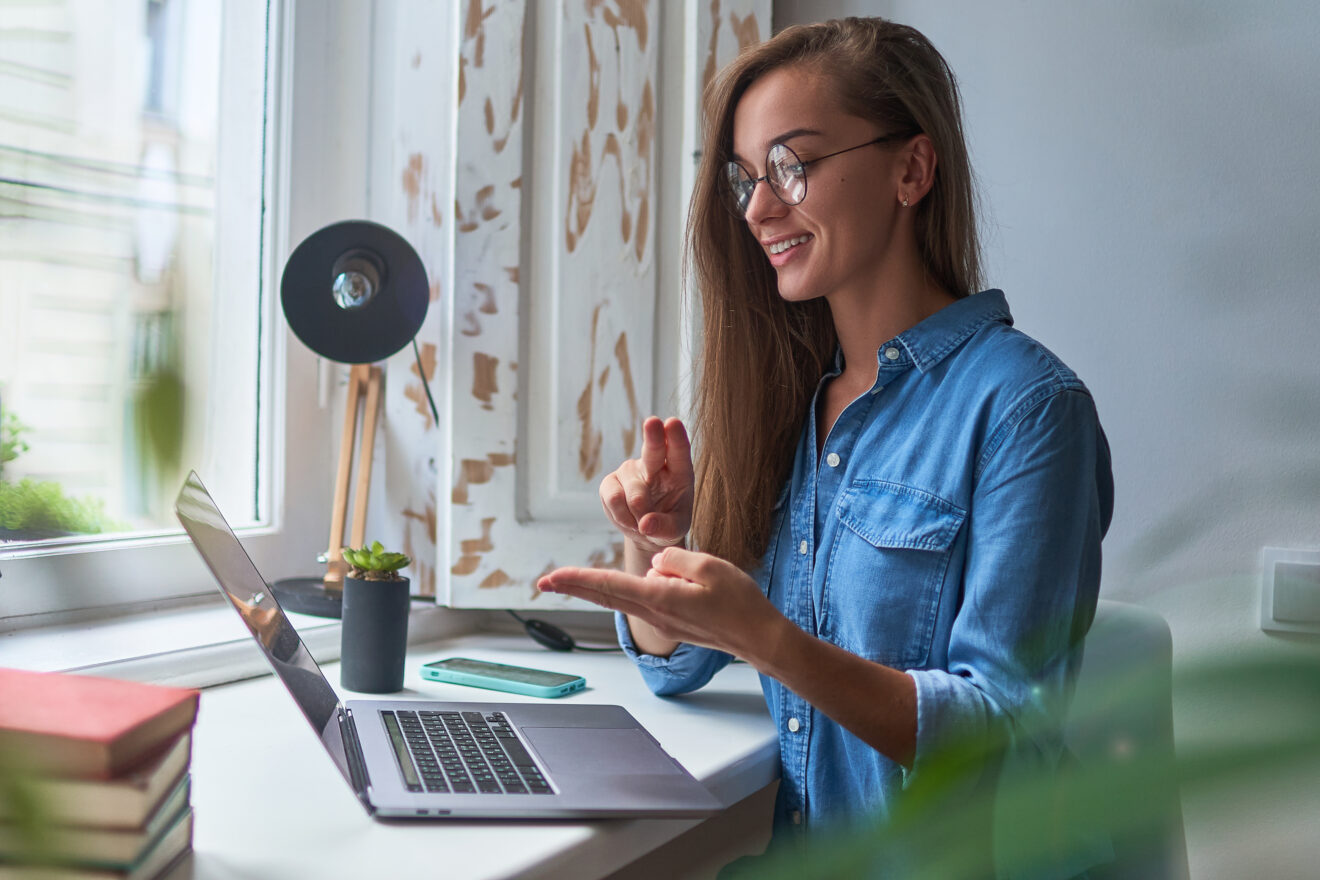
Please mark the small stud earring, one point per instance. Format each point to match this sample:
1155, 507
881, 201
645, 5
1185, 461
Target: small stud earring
905, 201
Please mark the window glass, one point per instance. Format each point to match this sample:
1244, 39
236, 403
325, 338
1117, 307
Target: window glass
131, 210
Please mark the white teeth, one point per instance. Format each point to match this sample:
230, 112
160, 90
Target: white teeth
780, 246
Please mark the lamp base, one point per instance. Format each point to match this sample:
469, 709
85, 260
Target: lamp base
308, 595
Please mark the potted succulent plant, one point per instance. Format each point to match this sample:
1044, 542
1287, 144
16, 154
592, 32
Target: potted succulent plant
374, 633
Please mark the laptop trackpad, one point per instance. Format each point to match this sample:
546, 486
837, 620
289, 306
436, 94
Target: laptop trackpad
600, 751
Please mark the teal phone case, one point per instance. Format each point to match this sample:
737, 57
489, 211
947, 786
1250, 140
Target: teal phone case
492, 683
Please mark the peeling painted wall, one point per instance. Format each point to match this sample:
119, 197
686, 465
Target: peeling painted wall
539, 231
411, 191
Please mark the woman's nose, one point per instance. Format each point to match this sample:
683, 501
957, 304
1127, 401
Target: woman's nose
764, 204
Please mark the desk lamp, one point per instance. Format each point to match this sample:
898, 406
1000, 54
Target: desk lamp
354, 292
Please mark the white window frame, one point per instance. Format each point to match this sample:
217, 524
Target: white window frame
315, 173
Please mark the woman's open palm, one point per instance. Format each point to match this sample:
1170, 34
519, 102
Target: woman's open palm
649, 499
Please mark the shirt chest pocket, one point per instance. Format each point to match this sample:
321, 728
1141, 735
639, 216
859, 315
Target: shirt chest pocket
887, 567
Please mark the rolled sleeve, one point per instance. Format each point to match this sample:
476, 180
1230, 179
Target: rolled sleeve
683, 671
1042, 502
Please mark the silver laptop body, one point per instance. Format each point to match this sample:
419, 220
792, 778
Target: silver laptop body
552, 761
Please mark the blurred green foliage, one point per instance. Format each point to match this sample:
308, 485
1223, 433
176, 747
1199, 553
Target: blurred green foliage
12, 443
160, 409
1051, 821
22, 809
39, 509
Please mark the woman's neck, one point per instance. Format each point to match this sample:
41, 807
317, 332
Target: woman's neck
868, 316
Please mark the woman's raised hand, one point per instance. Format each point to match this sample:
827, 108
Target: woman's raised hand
649, 499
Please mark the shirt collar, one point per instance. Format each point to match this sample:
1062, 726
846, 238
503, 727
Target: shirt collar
935, 338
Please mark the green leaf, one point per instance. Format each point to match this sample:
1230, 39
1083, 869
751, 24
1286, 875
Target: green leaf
394, 561
375, 558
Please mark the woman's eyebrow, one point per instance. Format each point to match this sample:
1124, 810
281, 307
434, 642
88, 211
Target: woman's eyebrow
786, 136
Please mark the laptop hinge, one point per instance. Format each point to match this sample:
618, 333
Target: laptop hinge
357, 765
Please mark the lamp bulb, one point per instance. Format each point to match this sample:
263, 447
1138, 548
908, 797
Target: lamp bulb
353, 290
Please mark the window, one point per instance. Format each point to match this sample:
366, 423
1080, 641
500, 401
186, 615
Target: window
120, 231
146, 208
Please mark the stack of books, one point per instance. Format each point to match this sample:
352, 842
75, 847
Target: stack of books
94, 777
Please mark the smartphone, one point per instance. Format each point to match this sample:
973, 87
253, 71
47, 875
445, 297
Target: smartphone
502, 677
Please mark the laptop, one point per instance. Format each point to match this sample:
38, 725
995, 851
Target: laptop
423, 759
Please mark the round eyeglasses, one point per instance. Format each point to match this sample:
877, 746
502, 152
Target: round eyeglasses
785, 172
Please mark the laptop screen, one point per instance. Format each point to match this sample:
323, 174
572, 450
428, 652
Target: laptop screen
247, 591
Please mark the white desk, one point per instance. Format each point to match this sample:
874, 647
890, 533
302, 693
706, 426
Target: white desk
270, 804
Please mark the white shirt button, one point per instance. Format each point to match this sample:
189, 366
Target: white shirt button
832, 459
794, 725
891, 353
802, 548
797, 817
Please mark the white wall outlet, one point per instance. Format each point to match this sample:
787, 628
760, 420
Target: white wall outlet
1290, 590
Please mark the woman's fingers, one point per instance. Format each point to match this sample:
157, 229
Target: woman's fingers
608, 601
660, 478
614, 498
690, 565
615, 590
662, 528
653, 447
678, 449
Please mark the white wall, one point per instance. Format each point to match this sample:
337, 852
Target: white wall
1152, 211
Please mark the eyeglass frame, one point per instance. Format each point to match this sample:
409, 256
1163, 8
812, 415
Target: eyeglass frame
801, 163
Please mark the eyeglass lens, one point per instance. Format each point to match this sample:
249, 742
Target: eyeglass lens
785, 173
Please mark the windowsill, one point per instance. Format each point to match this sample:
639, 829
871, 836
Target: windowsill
195, 646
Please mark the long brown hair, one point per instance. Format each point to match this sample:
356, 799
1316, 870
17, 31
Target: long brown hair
762, 357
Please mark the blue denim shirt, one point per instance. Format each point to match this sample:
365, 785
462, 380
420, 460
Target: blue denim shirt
951, 528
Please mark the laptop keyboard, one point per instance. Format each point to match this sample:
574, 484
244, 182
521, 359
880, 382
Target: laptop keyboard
463, 753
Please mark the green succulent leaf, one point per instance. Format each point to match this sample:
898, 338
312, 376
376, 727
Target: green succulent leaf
393, 561
375, 558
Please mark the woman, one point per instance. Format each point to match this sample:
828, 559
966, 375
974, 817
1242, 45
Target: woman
899, 499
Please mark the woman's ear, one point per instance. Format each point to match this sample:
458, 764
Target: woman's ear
918, 170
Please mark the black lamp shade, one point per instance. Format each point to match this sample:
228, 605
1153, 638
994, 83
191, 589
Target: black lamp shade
385, 322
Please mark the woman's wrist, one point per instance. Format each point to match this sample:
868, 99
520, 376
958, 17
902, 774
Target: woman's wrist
647, 640
766, 646
637, 556
650, 548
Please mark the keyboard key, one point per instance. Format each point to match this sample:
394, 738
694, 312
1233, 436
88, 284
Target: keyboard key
518, 754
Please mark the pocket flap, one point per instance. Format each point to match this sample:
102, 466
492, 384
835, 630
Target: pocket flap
892, 515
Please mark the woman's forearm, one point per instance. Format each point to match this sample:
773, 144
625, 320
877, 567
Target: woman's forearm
877, 703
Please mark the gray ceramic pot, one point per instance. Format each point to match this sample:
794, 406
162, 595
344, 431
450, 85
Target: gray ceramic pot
374, 636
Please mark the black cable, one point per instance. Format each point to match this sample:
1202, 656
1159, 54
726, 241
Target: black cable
426, 386
551, 636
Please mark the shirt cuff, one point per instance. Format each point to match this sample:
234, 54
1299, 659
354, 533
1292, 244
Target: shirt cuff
951, 714
686, 669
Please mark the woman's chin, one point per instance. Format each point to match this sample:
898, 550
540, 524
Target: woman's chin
797, 292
